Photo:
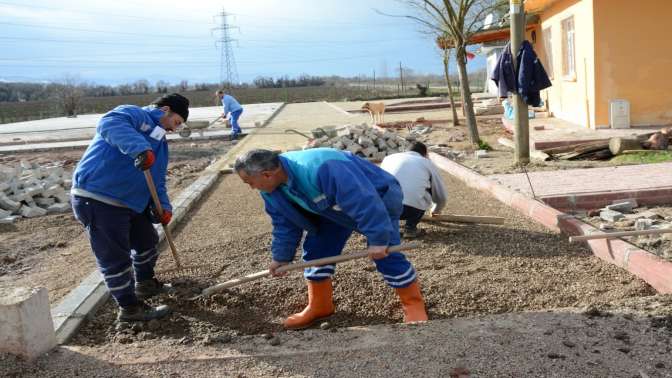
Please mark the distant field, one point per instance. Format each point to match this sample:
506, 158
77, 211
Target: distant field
26, 111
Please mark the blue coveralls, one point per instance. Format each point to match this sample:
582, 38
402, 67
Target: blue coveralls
231, 105
110, 197
330, 194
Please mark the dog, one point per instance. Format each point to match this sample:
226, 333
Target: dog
375, 109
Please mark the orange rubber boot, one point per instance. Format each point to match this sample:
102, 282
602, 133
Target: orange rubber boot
412, 303
320, 305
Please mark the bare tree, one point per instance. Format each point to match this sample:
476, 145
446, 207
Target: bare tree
69, 92
456, 21
442, 43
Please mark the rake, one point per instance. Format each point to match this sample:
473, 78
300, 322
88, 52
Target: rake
289, 267
180, 270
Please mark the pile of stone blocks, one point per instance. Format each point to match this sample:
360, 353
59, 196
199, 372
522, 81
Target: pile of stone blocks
29, 190
364, 141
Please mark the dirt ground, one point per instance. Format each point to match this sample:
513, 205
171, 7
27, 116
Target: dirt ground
465, 270
659, 245
500, 159
39, 251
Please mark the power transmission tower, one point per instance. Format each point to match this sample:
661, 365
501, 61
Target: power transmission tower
228, 73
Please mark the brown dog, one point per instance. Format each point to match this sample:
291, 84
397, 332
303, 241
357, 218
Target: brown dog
375, 109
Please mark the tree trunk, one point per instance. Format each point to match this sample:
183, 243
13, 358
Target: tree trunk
446, 56
467, 104
618, 145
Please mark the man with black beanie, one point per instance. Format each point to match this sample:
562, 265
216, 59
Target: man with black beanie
111, 199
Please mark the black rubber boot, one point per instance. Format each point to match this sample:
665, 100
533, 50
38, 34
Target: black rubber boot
142, 312
149, 288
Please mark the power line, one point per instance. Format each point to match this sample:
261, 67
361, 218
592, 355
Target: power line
106, 14
99, 31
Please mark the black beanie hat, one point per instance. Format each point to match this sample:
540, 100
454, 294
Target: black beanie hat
177, 103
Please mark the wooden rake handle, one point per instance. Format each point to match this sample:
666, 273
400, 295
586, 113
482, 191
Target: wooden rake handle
306, 264
159, 210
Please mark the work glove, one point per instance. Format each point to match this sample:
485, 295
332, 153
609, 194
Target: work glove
164, 218
144, 160
377, 252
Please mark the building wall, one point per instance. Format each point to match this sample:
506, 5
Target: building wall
570, 97
634, 58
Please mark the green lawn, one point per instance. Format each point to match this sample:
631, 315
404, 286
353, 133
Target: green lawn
647, 157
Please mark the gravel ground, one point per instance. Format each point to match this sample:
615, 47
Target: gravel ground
465, 270
39, 251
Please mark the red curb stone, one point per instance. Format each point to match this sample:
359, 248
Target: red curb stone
651, 268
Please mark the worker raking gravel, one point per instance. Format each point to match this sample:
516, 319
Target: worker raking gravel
110, 197
329, 194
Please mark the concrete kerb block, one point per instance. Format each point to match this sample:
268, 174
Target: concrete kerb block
26, 327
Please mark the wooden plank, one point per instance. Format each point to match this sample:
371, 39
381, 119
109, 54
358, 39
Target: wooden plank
454, 218
614, 235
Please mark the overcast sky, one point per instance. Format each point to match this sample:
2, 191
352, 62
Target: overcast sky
120, 41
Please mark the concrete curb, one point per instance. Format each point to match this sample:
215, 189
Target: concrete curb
275, 112
338, 109
643, 264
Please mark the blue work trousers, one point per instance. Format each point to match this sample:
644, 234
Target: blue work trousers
235, 127
124, 243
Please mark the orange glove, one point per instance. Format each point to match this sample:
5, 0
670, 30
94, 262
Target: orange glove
144, 160
165, 217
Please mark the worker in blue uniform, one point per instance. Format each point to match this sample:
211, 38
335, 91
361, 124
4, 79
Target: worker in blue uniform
329, 194
233, 110
110, 197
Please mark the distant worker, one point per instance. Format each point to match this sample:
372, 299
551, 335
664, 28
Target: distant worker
111, 199
329, 194
232, 109
421, 183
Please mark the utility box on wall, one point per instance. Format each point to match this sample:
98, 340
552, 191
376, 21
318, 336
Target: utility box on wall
619, 114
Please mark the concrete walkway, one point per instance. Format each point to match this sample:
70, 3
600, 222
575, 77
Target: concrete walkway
83, 127
591, 180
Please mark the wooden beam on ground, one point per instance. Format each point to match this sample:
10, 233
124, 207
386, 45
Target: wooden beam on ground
614, 235
534, 154
463, 219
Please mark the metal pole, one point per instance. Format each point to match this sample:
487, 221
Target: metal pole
522, 124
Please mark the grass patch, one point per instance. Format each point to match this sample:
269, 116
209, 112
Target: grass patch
648, 157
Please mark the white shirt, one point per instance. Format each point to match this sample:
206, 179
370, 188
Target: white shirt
419, 179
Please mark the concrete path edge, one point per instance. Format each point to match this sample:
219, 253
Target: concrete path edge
643, 264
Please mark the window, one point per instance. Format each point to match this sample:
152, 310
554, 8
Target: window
548, 49
568, 49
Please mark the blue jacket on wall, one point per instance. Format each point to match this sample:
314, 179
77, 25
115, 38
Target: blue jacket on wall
530, 79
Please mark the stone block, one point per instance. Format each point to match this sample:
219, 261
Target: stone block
379, 155
622, 207
44, 202
9, 204
343, 132
5, 213
26, 327
369, 151
4, 186
392, 144
354, 148
32, 211
480, 154
58, 208
67, 183
53, 191
26, 165
643, 224
9, 220
611, 215
364, 141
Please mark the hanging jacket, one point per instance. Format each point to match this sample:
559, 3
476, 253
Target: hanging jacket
530, 79
336, 185
503, 74
106, 171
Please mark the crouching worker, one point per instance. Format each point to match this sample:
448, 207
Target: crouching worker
421, 183
329, 194
111, 199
